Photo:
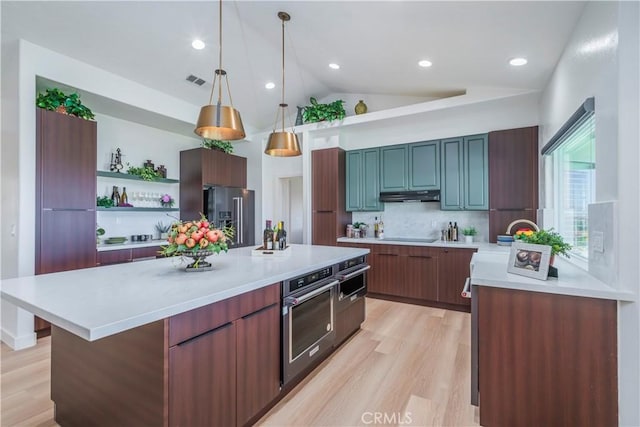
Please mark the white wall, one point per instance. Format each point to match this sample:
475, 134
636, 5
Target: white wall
601, 60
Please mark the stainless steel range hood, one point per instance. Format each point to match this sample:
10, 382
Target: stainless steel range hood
410, 196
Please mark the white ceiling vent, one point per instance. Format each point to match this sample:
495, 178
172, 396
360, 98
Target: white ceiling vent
195, 80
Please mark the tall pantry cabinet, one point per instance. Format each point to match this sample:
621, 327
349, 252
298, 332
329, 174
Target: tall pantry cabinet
329, 215
66, 149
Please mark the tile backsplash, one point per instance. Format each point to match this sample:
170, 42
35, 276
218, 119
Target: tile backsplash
424, 220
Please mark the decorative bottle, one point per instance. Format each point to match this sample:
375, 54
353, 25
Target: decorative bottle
267, 236
275, 238
124, 199
115, 196
282, 236
361, 107
375, 228
381, 229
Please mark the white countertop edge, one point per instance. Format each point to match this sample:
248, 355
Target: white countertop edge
102, 247
437, 244
124, 324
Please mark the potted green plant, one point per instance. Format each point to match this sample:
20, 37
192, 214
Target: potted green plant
317, 112
56, 100
99, 232
545, 237
147, 173
468, 233
163, 230
216, 144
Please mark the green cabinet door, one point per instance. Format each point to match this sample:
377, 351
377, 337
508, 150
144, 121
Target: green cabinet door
354, 180
393, 168
424, 165
451, 174
476, 168
371, 180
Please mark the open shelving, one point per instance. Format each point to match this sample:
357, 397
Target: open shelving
120, 175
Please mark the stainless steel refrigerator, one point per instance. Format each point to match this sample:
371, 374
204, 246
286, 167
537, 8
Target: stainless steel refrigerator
225, 206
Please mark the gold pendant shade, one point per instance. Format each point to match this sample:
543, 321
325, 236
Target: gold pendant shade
220, 122
283, 144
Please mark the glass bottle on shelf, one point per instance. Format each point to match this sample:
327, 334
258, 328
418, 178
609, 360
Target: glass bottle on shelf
282, 236
124, 199
115, 196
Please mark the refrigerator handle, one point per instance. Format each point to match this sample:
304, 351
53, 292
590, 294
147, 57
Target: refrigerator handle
241, 222
237, 208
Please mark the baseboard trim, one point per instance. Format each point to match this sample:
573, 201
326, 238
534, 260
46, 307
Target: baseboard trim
18, 343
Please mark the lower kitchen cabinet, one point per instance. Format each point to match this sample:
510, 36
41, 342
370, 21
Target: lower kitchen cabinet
546, 359
349, 320
385, 273
202, 379
216, 365
127, 255
421, 274
453, 270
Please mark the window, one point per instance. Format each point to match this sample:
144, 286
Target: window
573, 166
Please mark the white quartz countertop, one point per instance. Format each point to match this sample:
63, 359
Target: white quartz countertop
97, 302
490, 269
480, 246
129, 245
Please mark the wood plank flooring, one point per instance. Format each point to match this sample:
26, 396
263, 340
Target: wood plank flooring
410, 366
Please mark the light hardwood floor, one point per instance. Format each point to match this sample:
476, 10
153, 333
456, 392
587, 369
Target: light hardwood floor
410, 366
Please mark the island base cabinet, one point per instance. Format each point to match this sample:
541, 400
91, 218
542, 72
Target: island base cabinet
546, 359
349, 319
202, 379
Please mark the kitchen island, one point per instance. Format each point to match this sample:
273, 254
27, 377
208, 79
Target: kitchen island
147, 344
544, 352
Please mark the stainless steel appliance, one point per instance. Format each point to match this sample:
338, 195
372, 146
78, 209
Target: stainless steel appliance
224, 206
308, 319
410, 196
352, 280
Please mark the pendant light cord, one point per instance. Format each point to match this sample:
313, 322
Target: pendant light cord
282, 104
220, 56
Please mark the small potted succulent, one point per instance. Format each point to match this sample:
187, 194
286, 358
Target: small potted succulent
468, 233
163, 230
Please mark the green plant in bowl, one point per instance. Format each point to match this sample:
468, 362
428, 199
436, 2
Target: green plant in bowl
548, 238
216, 144
56, 100
317, 112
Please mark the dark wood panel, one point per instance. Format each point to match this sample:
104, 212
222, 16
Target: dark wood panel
117, 380
65, 161
148, 252
325, 178
513, 168
195, 322
546, 360
421, 276
202, 378
348, 321
114, 257
499, 220
324, 228
388, 275
258, 369
65, 241
453, 269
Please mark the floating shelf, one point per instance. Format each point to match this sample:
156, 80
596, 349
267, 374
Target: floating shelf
135, 209
134, 177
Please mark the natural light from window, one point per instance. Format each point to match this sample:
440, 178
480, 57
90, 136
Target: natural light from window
574, 179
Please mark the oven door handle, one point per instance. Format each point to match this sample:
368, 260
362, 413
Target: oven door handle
342, 278
297, 300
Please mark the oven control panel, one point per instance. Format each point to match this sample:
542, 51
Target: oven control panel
309, 279
345, 265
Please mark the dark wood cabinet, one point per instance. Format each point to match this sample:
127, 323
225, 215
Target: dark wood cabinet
127, 255
258, 366
386, 273
217, 365
65, 166
513, 177
349, 320
329, 215
201, 167
421, 274
202, 379
546, 359
453, 270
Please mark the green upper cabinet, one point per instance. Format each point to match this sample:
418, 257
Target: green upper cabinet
476, 180
394, 171
424, 165
464, 173
363, 180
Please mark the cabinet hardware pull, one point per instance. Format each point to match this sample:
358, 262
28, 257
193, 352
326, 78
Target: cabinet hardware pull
389, 254
197, 337
259, 311
420, 256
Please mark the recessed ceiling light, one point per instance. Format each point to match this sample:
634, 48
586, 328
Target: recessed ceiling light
334, 66
197, 44
425, 63
516, 62
270, 85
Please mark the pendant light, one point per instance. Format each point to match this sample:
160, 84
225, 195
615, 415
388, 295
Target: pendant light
220, 121
282, 144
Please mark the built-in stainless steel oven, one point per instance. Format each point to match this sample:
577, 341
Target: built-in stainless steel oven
352, 278
308, 320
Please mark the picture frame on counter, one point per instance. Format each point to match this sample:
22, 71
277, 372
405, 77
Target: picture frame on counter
530, 260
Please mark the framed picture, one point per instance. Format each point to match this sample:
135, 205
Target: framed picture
529, 260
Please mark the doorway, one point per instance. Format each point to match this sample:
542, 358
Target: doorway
291, 207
